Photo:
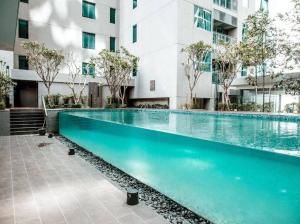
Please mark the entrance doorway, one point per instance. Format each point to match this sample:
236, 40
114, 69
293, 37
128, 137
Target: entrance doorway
26, 94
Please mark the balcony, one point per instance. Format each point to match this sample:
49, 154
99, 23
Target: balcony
222, 38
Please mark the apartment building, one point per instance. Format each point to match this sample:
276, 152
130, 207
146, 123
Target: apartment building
155, 31
81, 27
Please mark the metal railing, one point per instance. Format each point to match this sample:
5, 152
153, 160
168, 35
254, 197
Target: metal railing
219, 38
45, 111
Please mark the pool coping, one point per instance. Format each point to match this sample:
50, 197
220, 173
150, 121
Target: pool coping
276, 116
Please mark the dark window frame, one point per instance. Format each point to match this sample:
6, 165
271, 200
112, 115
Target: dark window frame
23, 30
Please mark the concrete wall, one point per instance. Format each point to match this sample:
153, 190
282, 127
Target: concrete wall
4, 122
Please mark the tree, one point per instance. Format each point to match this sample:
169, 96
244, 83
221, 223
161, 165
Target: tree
194, 67
6, 83
115, 68
77, 82
259, 44
288, 57
128, 63
227, 62
44, 61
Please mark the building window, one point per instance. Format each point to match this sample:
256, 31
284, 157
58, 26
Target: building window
88, 69
88, 40
24, 1
23, 62
264, 5
204, 64
152, 85
134, 72
202, 18
134, 4
244, 71
228, 4
88, 10
23, 28
112, 44
112, 18
134, 33
244, 30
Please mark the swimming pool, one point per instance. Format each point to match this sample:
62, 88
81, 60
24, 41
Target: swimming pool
217, 165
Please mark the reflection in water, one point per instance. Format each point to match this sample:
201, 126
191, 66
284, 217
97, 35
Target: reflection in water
256, 133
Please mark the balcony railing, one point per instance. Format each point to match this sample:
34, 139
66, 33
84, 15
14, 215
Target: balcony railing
219, 38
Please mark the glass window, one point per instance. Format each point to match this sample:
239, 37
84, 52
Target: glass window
244, 30
244, 71
88, 69
23, 62
23, 28
112, 16
202, 18
229, 4
88, 10
112, 44
134, 72
134, 33
204, 64
88, 40
264, 5
134, 4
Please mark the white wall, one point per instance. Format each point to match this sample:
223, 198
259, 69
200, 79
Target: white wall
156, 45
59, 24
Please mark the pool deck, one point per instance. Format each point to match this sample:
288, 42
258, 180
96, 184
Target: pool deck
45, 185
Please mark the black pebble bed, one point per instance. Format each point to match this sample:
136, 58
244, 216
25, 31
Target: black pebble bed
168, 208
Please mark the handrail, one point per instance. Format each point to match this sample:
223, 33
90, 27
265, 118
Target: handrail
44, 106
45, 111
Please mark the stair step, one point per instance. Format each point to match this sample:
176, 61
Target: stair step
27, 121
25, 128
27, 125
26, 118
23, 132
27, 115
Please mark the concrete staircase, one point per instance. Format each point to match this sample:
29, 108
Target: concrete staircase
26, 121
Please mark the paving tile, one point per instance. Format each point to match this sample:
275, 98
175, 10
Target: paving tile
51, 187
130, 219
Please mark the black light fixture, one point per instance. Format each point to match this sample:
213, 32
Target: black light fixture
132, 196
71, 152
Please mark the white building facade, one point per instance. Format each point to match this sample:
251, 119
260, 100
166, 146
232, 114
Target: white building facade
163, 28
155, 31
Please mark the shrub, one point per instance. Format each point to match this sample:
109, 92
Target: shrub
2, 105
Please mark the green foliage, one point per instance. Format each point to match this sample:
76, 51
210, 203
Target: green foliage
228, 62
259, 43
2, 105
292, 108
59, 101
115, 68
45, 62
290, 86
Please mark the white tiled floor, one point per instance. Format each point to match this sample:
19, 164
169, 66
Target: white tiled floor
45, 185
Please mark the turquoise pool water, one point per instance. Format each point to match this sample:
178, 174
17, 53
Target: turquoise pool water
205, 162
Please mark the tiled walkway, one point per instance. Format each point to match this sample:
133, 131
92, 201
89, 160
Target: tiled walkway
45, 185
